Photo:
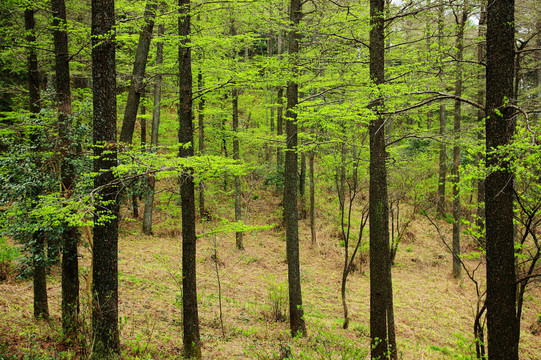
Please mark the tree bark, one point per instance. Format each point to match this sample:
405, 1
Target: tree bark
191, 338
105, 334
238, 193
41, 307
138, 73
503, 332
380, 274
149, 201
296, 311
457, 267
70, 235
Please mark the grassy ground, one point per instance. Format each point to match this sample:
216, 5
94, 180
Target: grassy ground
433, 311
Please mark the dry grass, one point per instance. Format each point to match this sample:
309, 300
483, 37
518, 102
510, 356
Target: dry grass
432, 309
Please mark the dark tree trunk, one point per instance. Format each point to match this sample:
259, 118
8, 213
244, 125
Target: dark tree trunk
500, 126
380, 273
191, 338
105, 335
149, 201
41, 307
70, 235
457, 267
238, 193
138, 74
296, 311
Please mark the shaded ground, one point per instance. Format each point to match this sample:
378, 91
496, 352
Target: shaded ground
434, 312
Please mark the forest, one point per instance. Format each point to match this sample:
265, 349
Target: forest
270, 179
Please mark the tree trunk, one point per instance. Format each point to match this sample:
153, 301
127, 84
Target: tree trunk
149, 200
503, 333
238, 193
296, 311
279, 126
138, 74
105, 334
191, 338
312, 198
380, 273
41, 307
443, 124
481, 57
70, 235
457, 268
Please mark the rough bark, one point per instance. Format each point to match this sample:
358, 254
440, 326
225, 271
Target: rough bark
457, 267
380, 273
191, 338
296, 311
149, 200
138, 74
41, 307
105, 334
70, 235
500, 127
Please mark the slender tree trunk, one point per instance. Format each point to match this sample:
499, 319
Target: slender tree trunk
380, 273
481, 57
41, 307
191, 338
312, 198
503, 332
105, 334
443, 124
138, 74
149, 200
238, 193
457, 268
279, 126
70, 235
296, 311
302, 186
143, 122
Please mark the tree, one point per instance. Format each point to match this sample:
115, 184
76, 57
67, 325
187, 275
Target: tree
41, 307
499, 192
457, 267
70, 235
381, 319
106, 344
296, 312
139, 68
149, 201
190, 318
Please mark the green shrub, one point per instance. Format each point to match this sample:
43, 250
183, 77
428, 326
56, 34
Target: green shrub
8, 255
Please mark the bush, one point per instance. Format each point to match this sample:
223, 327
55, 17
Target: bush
8, 255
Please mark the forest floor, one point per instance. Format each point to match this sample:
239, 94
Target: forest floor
433, 311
